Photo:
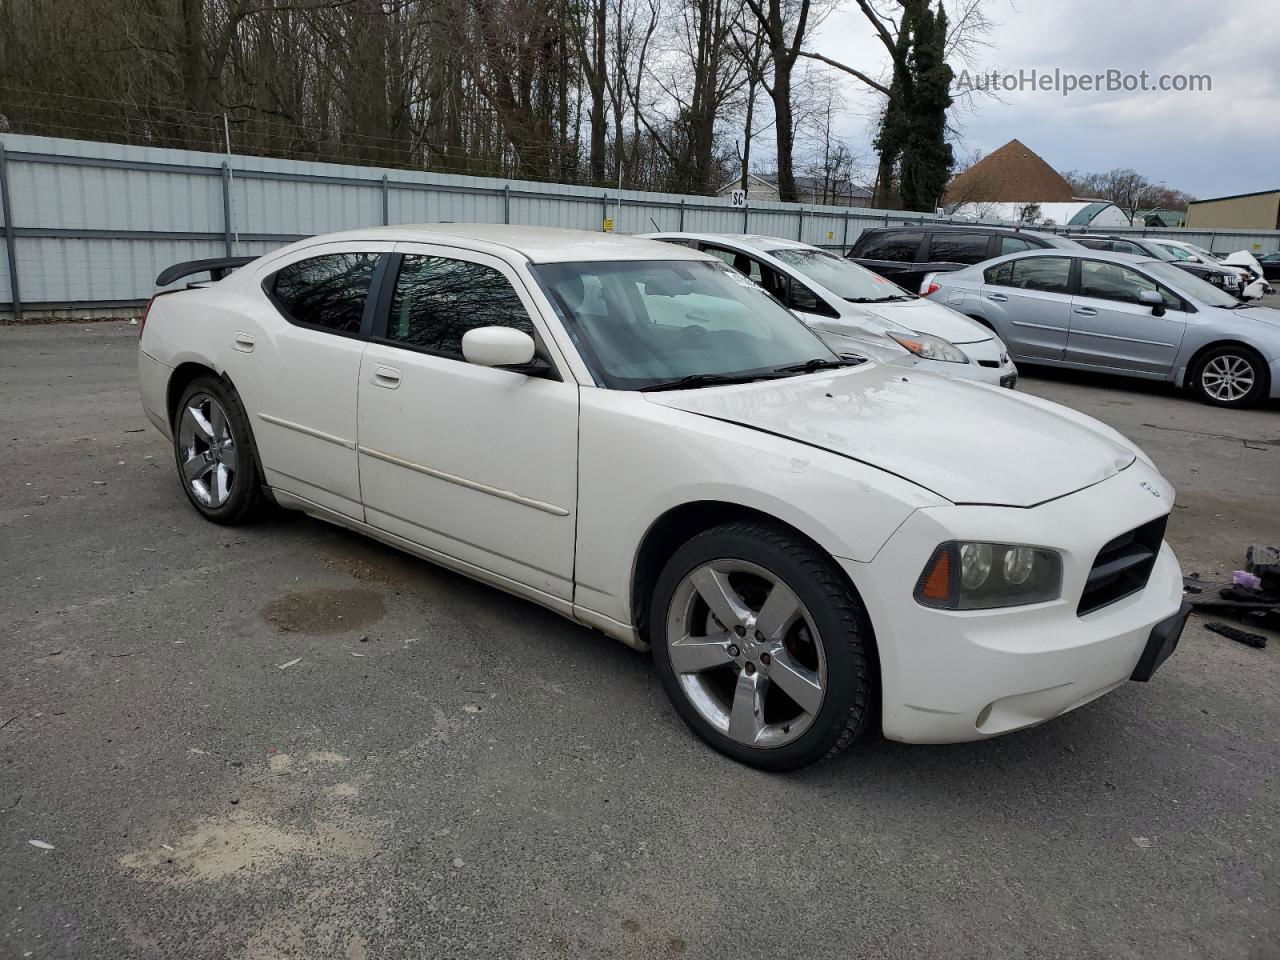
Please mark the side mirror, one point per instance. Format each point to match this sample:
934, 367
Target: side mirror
497, 347
1150, 298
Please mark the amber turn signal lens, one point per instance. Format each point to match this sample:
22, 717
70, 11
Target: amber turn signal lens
935, 585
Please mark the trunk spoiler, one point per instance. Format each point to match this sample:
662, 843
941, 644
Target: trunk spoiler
217, 268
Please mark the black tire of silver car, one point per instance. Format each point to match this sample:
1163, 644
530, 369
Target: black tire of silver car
1230, 376
776, 669
214, 452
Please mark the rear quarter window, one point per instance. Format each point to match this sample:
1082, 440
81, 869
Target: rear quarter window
325, 292
965, 248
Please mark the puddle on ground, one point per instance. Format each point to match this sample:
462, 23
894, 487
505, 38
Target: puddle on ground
324, 610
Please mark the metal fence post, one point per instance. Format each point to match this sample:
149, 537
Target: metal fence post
506, 203
746, 215
10, 236
386, 201
226, 208
604, 208
844, 243
682, 215
800, 227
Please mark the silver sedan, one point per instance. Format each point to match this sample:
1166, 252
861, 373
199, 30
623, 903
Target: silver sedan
1121, 314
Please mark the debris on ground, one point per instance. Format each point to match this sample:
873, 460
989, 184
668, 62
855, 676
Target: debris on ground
1252, 595
286, 666
41, 844
1255, 640
1243, 578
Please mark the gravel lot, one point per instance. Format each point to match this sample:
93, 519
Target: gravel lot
447, 771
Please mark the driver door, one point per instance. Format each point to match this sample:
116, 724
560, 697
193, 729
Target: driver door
1110, 328
478, 464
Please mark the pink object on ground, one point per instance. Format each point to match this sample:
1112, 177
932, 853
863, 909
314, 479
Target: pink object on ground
1243, 578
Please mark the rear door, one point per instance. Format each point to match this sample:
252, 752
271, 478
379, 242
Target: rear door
1111, 329
1029, 302
300, 373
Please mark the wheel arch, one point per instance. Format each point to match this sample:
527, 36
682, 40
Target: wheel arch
1194, 360
186, 373
668, 532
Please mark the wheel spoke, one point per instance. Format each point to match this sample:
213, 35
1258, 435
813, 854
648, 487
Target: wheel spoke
218, 423
778, 613
746, 718
221, 483
714, 588
195, 468
797, 681
202, 424
696, 654
229, 454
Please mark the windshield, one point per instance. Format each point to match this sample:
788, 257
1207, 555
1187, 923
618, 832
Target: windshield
1177, 253
644, 323
843, 278
1162, 252
1190, 284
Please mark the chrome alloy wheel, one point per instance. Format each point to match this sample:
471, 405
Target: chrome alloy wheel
1227, 377
207, 450
746, 653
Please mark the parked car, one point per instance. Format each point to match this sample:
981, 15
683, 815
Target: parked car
1249, 274
856, 310
1270, 265
633, 435
1220, 276
905, 254
1125, 315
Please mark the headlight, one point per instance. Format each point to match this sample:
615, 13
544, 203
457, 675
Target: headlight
929, 347
979, 576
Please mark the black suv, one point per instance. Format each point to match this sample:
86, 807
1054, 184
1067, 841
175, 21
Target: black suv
905, 254
1228, 280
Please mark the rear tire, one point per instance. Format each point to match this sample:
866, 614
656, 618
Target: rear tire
214, 452
1230, 376
775, 670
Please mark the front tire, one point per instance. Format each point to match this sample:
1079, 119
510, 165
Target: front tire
762, 646
1230, 376
213, 448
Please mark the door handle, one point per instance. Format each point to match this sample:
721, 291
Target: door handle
997, 297
243, 342
384, 376
1086, 311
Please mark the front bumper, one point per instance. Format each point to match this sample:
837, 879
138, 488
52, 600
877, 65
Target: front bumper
966, 675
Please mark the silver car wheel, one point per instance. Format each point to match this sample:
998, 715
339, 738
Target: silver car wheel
207, 450
1227, 377
746, 653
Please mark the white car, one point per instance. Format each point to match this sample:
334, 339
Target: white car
1252, 284
856, 310
634, 435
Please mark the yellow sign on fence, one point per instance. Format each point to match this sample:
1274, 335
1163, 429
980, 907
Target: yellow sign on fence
608, 225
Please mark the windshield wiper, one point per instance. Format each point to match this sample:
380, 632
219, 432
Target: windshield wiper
820, 363
703, 380
896, 296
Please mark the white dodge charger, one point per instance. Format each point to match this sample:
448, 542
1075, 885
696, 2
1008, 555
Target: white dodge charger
639, 438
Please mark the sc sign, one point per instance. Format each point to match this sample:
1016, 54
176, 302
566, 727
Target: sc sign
739, 198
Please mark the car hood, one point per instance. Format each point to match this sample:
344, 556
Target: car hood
966, 442
925, 316
1268, 315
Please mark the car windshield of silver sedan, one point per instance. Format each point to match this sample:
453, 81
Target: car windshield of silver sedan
658, 324
1191, 285
847, 280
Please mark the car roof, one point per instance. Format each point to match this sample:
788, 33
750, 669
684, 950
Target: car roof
1084, 252
537, 244
754, 240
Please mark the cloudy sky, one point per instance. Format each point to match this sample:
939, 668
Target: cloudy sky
1212, 143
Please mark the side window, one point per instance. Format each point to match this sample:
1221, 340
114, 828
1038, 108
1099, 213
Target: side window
899, 245
744, 264
1124, 246
1001, 274
1050, 274
1013, 245
437, 299
805, 300
1093, 244
1111, 281
327, 292
958, 247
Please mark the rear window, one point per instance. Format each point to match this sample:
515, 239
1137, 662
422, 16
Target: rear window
958, 247
899, 245
326, 292
1093, 244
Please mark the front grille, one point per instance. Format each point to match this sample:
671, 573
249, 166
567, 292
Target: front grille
1122, 566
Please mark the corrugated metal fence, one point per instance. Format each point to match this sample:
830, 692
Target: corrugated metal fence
89, 225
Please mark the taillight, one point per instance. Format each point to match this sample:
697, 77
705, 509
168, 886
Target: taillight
931, 289
142, 320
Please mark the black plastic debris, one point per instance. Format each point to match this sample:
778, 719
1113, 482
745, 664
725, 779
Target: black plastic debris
1255, 640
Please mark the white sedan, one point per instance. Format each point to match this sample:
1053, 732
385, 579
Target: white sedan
637, 437
856, 310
